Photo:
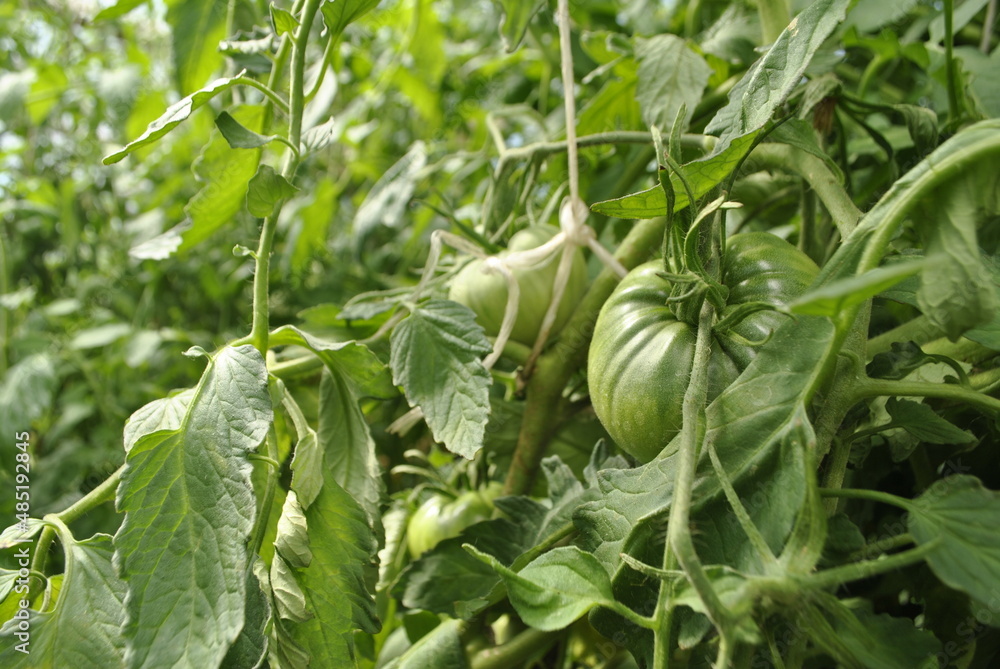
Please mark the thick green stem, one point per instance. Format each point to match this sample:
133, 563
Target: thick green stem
678, 527
945, 391
568, 354
817, 174
951, 66
920, 330
515, 652
830, 578
261, 287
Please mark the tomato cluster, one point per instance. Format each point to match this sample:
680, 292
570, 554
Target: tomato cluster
641, 355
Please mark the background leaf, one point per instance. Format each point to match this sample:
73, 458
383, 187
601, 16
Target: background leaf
436, 357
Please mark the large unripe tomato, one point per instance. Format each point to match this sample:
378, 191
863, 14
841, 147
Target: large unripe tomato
486, 294
442, 517
641, 355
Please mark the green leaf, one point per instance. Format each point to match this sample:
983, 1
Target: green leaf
18, 533
861, 638
338, 14
436, 356
337, 595
870, 15
84, 628
671, 75
346, 441
292, 536
166, 413
250, 647
175, 115
368, 375
517, 14
189, 509
960, 517
830, 298
120, 8
957, 291
307, 463
921, 421
100, 336
555, 589
198, 27
26, 392
238, 136
703, 175
770, 80
440, 648
267, 189
386, 202
283, 21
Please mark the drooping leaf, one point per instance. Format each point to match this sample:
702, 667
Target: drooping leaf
436, 356
237, 135
292, 536
250, 647
175, 115
555, 589
267, 189
347, 444
960, 516
307, 463
957, 291
337, 595
671, 75
84, 628
189, 509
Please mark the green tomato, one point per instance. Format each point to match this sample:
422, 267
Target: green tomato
641, 355
486, 294
442, 517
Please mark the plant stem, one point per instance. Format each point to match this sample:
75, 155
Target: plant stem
830, 578
870, 495
692, 416
263, 88
950, 64
516, 651
261, 288
947, 391
920, 330
105, 492
817, 174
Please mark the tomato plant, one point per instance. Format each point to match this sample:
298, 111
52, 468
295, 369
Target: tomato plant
641, 355
241, 358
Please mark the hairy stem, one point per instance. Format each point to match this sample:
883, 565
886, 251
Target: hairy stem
946, 391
